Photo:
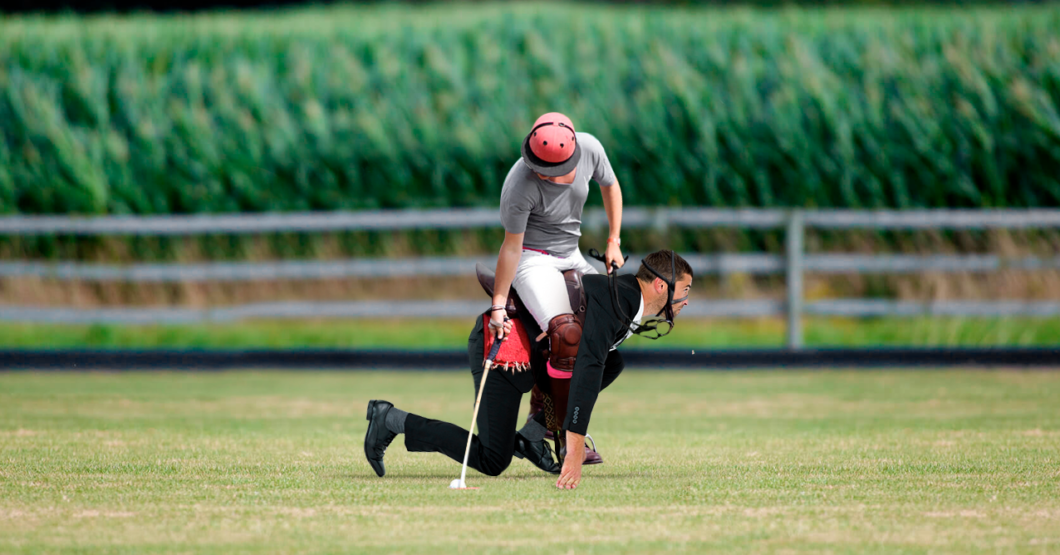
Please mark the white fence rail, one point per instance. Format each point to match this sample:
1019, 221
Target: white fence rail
794, 264
468, 218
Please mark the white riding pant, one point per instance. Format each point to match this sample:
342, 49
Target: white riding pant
539, 283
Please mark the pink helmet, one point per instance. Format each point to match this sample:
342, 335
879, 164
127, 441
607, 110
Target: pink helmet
551, 148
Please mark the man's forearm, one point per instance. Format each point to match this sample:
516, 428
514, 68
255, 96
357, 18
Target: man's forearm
584, 390
575, 445
612, 196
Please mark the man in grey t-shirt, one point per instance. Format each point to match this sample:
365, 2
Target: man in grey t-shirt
541, 210
548, 211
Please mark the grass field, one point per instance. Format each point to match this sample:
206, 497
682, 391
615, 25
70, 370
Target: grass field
452, 333
240, 462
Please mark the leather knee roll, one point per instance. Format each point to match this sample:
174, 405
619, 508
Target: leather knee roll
564, 336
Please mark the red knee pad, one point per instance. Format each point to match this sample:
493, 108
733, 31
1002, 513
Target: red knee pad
514, 353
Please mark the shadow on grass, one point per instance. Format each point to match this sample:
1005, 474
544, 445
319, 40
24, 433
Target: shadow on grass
400, 478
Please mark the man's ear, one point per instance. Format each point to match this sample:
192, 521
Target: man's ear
659, 285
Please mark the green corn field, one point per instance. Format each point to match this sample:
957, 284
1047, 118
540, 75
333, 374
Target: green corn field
362, 108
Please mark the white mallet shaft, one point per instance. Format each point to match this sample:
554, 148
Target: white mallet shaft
478, 401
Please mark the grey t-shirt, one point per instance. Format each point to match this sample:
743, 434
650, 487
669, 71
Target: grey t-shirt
548, 213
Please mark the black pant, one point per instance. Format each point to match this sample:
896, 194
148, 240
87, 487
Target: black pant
498, 416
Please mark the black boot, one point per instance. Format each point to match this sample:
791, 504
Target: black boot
378, 437
538, 453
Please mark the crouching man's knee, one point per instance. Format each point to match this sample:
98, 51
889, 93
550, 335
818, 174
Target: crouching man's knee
495, 465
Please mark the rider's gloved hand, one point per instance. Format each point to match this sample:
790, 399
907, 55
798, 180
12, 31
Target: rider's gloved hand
500, 324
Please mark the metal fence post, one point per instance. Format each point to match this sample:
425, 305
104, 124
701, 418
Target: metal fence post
794, 253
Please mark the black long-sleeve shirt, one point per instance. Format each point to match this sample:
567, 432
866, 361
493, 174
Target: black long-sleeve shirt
603, 330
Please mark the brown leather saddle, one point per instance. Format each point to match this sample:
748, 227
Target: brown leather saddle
543, 395
515, 307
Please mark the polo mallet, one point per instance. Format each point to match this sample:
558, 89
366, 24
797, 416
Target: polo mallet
459, 482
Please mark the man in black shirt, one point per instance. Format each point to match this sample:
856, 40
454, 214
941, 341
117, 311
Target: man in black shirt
633, 304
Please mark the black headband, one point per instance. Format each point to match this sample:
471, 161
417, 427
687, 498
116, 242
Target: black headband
558, 124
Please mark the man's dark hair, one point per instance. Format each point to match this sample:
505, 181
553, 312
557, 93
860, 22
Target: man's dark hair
660, 261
